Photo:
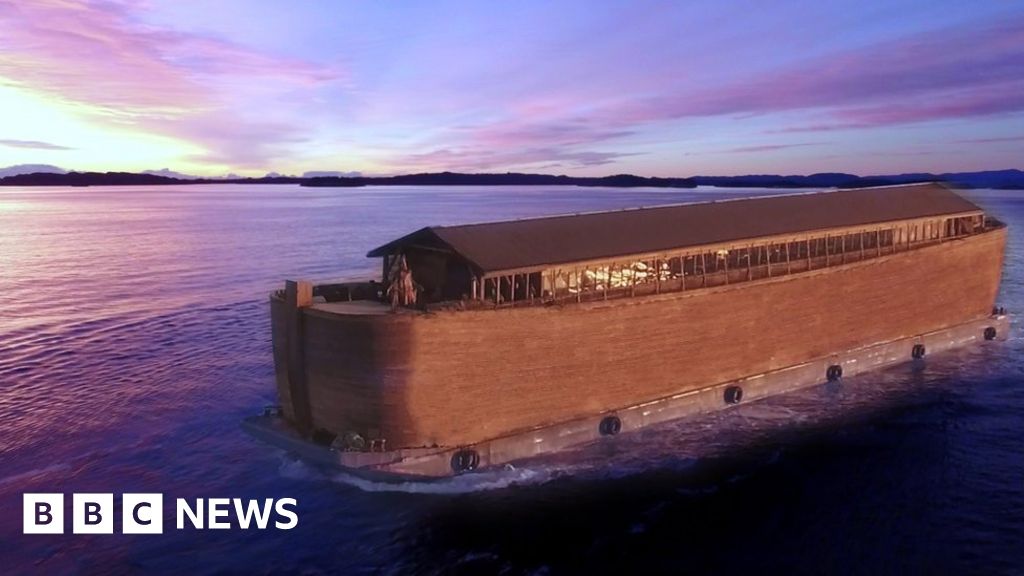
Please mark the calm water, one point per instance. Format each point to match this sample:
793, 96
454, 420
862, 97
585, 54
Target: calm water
134, 337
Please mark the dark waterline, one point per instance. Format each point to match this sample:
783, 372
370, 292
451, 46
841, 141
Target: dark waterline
134, 337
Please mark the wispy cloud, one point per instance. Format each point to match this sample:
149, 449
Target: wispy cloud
967, 72
33, 144
771, 147
408, 92
100, 57
992, 140
488, 159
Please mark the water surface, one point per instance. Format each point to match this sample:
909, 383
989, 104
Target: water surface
134, 336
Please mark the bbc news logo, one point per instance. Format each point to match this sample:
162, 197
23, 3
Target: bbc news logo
144, 513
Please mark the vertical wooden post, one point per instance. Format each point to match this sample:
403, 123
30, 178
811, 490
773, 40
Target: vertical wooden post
769, 259
297, 295
789, 265
607, 280
750, 258
703, 269
726, 259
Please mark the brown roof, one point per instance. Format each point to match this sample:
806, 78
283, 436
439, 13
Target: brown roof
533, 243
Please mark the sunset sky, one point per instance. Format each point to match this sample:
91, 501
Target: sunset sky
580, 88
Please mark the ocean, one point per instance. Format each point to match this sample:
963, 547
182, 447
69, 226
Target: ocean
134, 337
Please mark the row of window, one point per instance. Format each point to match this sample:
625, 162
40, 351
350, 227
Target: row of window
709, 268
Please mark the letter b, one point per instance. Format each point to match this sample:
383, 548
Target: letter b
93, 514
43, 514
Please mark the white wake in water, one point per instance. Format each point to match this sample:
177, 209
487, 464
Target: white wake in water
467, 483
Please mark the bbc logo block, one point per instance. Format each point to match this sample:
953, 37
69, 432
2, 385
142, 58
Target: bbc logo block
93, 514
142, 514
43, 514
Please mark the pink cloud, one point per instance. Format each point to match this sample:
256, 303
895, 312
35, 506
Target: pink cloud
951, 74
772, 147
992, 140
982, 101
171, 82
478, 159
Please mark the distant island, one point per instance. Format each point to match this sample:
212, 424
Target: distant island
1003, 179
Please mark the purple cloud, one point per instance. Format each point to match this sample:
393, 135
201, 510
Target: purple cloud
981, 67
175, 83
771, 147
33, 144
992, 140
487, 159
957, 73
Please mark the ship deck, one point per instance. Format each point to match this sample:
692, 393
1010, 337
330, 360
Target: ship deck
362, 298
353, 308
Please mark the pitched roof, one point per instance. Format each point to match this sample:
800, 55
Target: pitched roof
535, 242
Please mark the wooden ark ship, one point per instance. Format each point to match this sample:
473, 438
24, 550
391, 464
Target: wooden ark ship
532, 335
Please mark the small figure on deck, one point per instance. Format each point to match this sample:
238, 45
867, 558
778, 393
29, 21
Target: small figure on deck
401, 287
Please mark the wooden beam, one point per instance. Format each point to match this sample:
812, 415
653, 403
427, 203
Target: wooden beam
750, 257
297, 295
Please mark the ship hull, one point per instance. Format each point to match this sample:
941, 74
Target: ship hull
512, 383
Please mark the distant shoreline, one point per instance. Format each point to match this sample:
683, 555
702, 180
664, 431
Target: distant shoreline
1001, 179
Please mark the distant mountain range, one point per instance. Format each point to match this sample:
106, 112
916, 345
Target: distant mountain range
1013, 179
45, 175
506, 179
29, 169
179, 176
152, 178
